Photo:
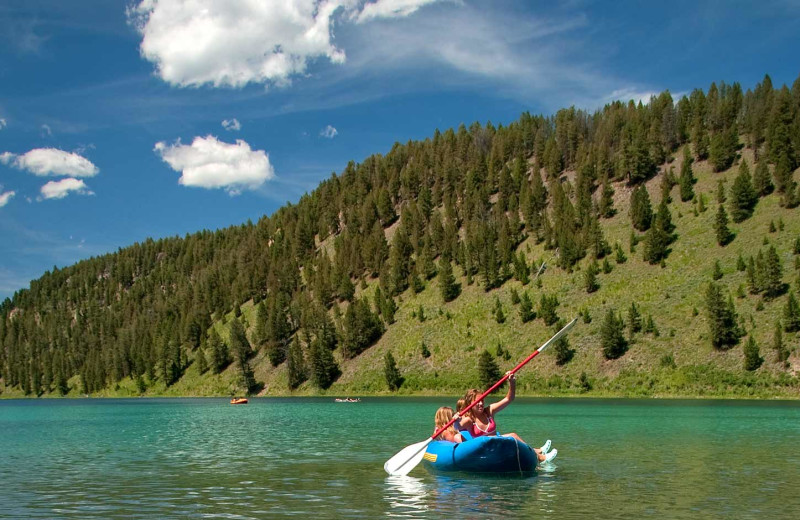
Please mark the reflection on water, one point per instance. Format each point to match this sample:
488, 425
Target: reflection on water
407, 496
469, 496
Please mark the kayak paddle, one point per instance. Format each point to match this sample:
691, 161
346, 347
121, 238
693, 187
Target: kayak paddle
408, 458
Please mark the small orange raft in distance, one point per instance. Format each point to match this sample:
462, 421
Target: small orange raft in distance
239, 400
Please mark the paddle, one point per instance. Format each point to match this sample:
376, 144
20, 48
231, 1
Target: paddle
408, 458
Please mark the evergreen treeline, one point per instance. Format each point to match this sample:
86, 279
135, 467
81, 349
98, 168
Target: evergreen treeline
464, 198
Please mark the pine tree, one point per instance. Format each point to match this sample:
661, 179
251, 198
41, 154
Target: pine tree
360, 329
262, 324
740, 265
773, 274
722, 151
526, 313
667, 183
201, 362
779, 133
447, 282
743, 195
564, 353
296, 365
721, 197
754, 276
612, 338
241, 349
590, 278
521, 269
752, 356
324, 369
279, 329
547, 309
499, 316
426, 353
390, 371
606, 205
722, 318
620, 254
686, 180
220, 356
659, 236
791, 314
641, 213
488, 371
634, 320
650, 326
724, 235
716, 274
781, 352
388, 310
700, 139
595, 240
416, 283
762, 181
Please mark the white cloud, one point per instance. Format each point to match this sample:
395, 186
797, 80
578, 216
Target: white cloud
231, 125
45, 162
540, 59
46, 130
62, 188
209, 163
329, 132
5, 197
231, 44
3, 123
390, 9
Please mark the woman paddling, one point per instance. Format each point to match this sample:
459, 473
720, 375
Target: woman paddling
479, 420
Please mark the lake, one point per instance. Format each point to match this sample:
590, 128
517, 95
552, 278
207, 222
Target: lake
315, 458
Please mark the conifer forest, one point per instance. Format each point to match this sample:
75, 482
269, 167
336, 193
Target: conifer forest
669, 228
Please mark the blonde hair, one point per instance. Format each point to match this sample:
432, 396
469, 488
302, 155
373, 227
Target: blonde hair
442, 417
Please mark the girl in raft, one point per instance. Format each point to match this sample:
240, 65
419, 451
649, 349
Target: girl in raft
479, 420
442, 417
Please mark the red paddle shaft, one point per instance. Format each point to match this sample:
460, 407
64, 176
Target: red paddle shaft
503, 379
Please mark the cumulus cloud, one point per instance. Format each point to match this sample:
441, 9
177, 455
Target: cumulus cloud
209, 163
62, 188
5, 197
45, 162
231, 44
329, 132
231, 125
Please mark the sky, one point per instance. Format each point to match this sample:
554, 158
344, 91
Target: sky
127, 120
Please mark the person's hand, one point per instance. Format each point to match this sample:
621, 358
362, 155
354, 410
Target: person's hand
511, 376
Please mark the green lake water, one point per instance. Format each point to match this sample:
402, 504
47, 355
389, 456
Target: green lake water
314, 458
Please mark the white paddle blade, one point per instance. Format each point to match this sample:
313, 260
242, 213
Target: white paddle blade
406, 459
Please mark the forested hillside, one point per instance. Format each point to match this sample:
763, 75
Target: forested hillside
671, 228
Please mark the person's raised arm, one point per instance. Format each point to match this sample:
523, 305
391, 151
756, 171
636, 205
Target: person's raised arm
512, 392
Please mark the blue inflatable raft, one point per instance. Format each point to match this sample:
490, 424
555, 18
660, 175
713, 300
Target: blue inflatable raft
486, 454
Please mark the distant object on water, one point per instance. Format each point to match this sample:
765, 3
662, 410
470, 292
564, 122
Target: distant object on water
348, 400
239, 400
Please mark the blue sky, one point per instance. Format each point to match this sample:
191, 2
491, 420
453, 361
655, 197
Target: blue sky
121, 120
